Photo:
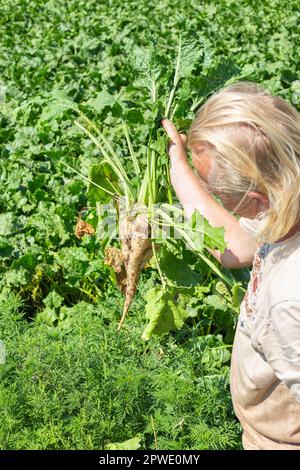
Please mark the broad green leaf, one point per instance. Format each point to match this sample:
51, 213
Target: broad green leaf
28, 261
214, 236
74, 262
6, 248
216, 302
6, 223
102, 100
62, 96
151, 68
223, 291
48, 316
59, 102
288, 76
216, 357
295, 89
102, 175
130, 444
205, 235
134, 116
53, 111
189, 303
90, 216
53, 300
163, 312
238, 293
177, 271
15, 277
117, 109
214, 351
218, 75
190, 51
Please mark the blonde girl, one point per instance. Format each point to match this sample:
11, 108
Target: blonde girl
245, 145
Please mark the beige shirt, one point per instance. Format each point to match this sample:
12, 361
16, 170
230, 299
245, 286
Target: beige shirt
265, 365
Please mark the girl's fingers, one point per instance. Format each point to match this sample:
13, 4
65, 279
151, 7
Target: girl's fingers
176, 139
177, 144
172, 132
183, 138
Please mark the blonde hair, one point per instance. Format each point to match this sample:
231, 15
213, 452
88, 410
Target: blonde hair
255, 139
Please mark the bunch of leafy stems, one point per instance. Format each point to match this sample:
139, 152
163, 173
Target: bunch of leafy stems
147, 192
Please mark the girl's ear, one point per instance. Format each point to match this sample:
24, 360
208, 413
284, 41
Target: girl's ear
261, 200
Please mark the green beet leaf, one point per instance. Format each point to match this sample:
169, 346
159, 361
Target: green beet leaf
130, 444
102, 175
59, 102
205, 234
53, 300
190, 51
163, 312
102, 100
177, 270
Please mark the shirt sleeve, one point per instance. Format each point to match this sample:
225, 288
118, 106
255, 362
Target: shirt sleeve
249, 225
280, 344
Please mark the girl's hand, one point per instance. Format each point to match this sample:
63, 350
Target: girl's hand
177, 146
181, 173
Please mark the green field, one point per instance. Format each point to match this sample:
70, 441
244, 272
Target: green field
70, 380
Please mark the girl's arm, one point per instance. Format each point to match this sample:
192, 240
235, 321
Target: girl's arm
192, 195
